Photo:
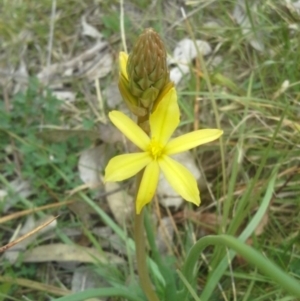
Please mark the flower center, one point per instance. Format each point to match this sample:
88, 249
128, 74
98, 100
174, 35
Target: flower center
155, 149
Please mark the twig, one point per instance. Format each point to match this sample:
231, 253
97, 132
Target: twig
50, 42
122, 27
18, 240
102, 116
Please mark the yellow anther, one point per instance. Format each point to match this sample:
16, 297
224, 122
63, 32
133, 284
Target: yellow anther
155, 149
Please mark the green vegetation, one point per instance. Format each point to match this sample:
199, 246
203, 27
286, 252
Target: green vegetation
249, 86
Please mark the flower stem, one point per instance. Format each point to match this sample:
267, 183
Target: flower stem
141, 258
139, 238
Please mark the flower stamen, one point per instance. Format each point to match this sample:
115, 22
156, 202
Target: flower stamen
155, 149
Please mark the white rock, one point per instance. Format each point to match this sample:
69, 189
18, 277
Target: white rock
186, 50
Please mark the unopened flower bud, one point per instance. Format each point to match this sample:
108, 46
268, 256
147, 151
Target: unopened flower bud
144, 76
147, 68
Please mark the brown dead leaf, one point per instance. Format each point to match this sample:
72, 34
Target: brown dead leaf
20, 189
112, 95
90, 166
99, 67
110, 134
89, 30
30, 231
120, 203
65, 253
50, 72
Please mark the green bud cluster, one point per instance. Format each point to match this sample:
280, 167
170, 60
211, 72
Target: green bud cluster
147, 68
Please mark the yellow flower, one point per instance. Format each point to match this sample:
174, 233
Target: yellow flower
156, 152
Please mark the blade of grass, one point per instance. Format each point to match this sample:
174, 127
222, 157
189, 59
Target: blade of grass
217, 273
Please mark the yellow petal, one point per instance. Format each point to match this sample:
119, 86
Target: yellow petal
130, 129
165, 118
148, 186
123, 58
181, 179
162, 94
191, 140
125, 166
